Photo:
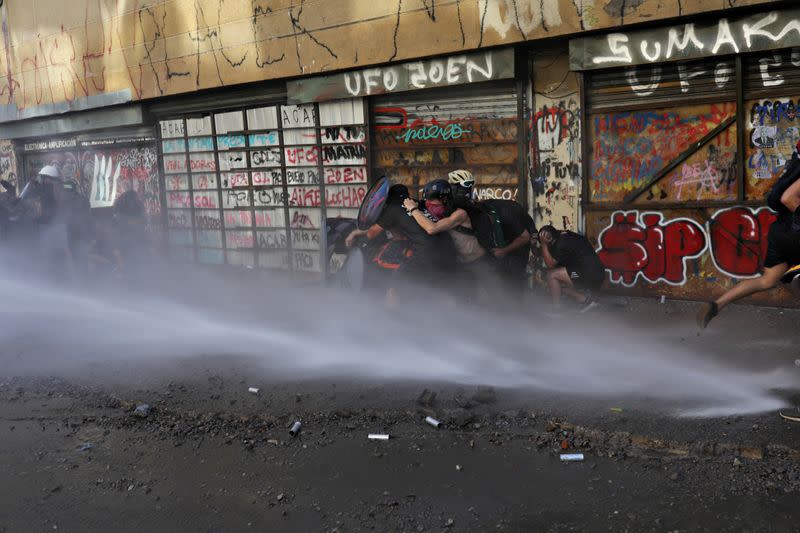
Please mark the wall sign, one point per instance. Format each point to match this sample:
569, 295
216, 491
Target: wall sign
50, 145
766, 31
441, 72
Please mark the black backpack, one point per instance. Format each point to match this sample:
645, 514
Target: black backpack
487, 223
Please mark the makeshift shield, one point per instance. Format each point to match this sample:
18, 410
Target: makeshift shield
372, 206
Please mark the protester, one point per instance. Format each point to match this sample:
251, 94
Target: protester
573, 265
46, 202
431, 256
476, 270
783, 244
130, 243
503, 227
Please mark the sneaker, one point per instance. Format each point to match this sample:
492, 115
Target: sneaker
588, 305
706, 313
791, 274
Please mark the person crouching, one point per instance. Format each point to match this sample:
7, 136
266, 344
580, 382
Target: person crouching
573, 266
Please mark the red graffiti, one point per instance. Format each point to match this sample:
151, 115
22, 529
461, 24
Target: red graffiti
637, 245
739, 240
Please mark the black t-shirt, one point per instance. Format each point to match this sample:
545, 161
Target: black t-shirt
514, 220
427, 248
575, 253
790, 174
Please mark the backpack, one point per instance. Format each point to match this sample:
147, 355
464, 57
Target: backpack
487, 225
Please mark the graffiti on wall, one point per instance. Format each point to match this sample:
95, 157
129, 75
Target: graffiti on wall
646, 247
416, 143
107, 173
91, 53
630, 148
555, 144
764, 31
773, 130
8, 163
738, 239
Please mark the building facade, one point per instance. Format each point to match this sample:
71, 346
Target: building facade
654, 127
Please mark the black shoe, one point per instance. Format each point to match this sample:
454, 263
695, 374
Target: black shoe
706, 313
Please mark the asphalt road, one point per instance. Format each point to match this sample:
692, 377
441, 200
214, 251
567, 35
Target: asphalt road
211, 456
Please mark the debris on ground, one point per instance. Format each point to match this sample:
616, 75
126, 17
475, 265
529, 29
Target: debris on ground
427, 398
485, 395
142, 410
85, 447
296, 427
378, 436
572, 457
432, 421
253, 390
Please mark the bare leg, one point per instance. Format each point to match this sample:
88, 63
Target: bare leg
554, 284
576, 295
391, 298
768, 280
558, 280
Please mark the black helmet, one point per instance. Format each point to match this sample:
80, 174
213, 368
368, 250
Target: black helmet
438, 190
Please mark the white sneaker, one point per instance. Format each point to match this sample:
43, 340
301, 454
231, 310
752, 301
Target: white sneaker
588, 306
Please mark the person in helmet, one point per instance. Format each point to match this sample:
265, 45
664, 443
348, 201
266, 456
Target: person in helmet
462, 184
503, 227
431, 256
46, 198
442, 214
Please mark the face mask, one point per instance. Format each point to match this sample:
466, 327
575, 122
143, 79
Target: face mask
439, 211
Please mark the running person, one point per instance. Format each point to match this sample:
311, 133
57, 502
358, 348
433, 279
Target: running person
573, 266
783, 244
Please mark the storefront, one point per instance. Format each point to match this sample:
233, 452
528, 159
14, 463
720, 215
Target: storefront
430, 117
251, 183
104, 165
687, 128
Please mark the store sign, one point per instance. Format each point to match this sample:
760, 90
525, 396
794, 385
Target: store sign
56, 144
113, 142
443, 72
766, 31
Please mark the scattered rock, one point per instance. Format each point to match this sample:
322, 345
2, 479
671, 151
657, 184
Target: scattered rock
485, 395
142, 410
427, 398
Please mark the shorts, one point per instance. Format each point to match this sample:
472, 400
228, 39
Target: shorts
590, 280
783, 246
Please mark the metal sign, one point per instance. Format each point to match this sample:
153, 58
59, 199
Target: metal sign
765, 31
442, 72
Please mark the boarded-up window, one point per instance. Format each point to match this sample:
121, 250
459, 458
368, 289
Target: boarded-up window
423, 137
245, 186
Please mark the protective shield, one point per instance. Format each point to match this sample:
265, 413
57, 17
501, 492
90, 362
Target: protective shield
373, 203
